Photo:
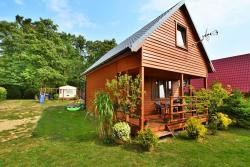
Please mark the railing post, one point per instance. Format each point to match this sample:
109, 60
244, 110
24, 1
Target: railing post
171, 108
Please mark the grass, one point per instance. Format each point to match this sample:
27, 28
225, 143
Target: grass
64, 138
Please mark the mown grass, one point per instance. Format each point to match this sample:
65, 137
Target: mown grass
64, 138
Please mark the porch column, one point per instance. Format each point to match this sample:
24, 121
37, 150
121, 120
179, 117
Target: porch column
205, 82
181, 85
142, 99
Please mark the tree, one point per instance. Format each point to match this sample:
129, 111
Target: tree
96, 49
34, 54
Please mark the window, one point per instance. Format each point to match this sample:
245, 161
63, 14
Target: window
181, 36
161, 89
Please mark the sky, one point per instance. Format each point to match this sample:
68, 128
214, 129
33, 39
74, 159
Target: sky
107, 19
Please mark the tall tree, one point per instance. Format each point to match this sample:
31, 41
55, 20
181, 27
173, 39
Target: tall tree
34, 54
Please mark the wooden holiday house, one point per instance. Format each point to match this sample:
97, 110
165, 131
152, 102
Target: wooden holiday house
167, 54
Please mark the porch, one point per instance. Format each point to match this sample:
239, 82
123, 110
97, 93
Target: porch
167, 103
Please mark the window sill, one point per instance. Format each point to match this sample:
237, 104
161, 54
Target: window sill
181, 47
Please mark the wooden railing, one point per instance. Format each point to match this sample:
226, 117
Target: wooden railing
183, 107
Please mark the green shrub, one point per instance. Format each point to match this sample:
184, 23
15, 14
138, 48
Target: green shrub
216, 96
236, 108
147, 139
14, 92
3, 93
121, 131
30, 93
56, 96
223, 121
195, 129
105, 110
213, 124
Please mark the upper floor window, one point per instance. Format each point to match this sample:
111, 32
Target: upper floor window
181, 36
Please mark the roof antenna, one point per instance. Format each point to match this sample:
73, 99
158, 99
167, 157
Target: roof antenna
207, 36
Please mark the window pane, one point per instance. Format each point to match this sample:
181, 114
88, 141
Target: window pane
181, 36
155, 92
180, 40
161, 91
169, 85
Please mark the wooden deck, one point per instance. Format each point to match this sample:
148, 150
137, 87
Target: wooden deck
160, 127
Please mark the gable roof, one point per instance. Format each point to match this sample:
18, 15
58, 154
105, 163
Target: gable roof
232, 71
135, 41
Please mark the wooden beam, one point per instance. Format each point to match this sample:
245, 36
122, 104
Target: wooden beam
205, 82
182, 93
142, 98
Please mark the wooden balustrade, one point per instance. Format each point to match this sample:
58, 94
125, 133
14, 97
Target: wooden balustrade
183, 107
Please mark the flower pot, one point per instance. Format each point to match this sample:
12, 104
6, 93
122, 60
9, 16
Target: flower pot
149, 148
119, 141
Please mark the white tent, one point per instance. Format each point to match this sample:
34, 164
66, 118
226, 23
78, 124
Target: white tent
67, 92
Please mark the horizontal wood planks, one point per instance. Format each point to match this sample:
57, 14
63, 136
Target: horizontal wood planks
96, 80
160, 51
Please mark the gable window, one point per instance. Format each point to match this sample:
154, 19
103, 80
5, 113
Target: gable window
161, 89
181, 36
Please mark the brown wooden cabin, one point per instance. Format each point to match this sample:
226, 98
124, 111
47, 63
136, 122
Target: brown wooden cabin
167, 54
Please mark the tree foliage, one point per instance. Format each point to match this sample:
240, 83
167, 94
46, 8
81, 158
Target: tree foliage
35, 54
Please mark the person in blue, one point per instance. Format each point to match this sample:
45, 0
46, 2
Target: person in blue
42, 98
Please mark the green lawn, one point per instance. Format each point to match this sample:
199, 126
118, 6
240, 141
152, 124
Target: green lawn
64, 138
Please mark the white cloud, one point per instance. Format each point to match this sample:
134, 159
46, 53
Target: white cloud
66, 17
19, 2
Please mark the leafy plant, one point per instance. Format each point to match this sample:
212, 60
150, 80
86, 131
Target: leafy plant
213, 124
223, 121
3, 93
147, 139
125, 92
195, 129
216, 96
105, 110
121, 131
236, 108
56, 96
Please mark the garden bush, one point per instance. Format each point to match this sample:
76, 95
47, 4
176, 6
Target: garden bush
216, 96
14, 92
3, 93
147, 140
223, 121
30, 93
121, 132
56, 96
235, 106
195, 129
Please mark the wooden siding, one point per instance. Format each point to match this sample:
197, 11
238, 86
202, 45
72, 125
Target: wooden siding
159, 49
149, 105
96, 80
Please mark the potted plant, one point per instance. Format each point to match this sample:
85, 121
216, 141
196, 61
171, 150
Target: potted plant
147, 140
121, 132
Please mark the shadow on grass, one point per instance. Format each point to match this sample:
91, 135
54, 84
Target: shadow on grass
57, 123
133, 147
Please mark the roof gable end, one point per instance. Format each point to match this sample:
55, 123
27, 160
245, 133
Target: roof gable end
135, 41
